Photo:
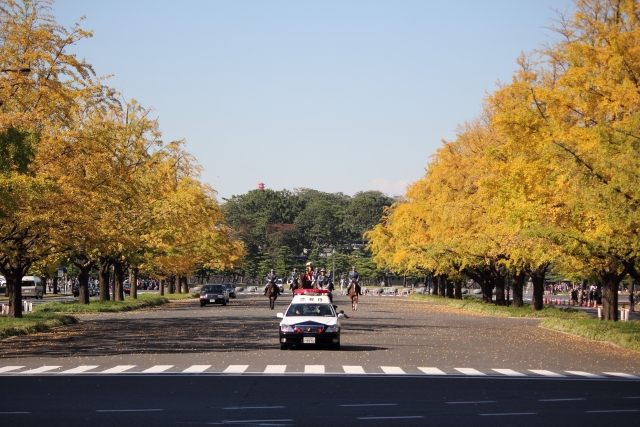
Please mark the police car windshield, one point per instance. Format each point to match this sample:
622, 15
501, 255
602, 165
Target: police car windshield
214, 288
325, 310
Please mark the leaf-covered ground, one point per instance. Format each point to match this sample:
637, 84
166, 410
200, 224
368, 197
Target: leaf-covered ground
32, 323
96, 306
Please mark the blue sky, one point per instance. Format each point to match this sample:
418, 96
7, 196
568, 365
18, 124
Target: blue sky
339, 96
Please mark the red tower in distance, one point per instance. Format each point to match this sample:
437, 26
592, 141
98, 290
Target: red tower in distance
261, 186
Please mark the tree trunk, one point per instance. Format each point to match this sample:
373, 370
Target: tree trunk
103, 278
118, 281
442, 286
83, 283
55, 284
14, 287
449, 287
184, 284
610, 281
482, 277
133, 280
537, 278
517, 284
161, 286
458, 289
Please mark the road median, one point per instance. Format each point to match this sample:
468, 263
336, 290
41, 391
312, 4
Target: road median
32, 323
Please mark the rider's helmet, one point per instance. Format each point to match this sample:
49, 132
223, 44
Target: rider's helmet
323, 271
272, 270
309, 264
295, 269
353, 267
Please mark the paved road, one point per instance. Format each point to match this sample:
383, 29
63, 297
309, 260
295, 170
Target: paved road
182, 364
165, 400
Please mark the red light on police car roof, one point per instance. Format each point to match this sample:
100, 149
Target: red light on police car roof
298, 330
319, 330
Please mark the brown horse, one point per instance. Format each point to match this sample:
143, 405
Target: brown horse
354, 289
272, 294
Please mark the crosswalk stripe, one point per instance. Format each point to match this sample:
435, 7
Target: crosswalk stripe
235, 369
621, 374
79, 369
118, 369
546, 373
392, 370
157, 369
196, 369
314, 369
10, 368
275, 369
40, 370
509, 372
584, 374
348, 369
469, 371
432, 371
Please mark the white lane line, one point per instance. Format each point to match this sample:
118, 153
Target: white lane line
469, 371
256, 421
194, 369
546, 373
235, 369
392, 370
432, 371
40, 370
391, 418
157, 369
472, 402
604, 411
79, 369
350, 369
129, 410
621, 374
10, 368
253, 407
368, 404
584, 374
509, 372
562, 400
314, 369
508, 413
118, 369
275, 369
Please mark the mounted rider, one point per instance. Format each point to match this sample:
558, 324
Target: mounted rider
354, 277
294, 279
307, 280
271, 280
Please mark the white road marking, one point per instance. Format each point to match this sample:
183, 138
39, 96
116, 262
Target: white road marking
79, 369
257, 421
275, 369
368, 404
235, 369
562, 400
621, 374
118, 369
391, 418
350, 369
254, 407
314, 369
604, 411
546, 373
508, 413
157, 369
432, 371
129, 410
194, 369
469, 371
509, 372
10, 368
40, 370
584, 374
392, 370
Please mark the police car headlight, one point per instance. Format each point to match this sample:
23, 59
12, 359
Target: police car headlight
286, 328
332, 328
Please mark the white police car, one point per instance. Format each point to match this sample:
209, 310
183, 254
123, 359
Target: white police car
310, 320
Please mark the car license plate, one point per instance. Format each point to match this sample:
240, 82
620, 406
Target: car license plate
309, 340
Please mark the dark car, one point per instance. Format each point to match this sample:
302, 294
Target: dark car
231, 288
214, 294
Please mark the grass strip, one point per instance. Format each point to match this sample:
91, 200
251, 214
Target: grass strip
97, 306
177, 297
473, 303
624, 334
32, 322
